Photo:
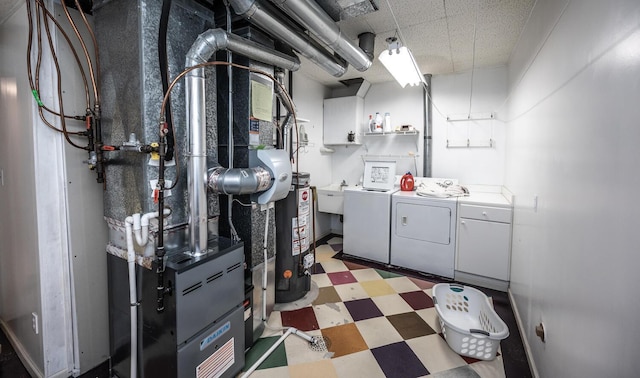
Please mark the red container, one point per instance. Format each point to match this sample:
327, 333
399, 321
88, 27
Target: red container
406, 182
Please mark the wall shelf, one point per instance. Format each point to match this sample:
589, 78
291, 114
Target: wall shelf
382, 133
470, 117
468, 144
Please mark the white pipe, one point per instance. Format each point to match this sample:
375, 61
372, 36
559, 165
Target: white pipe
131, 262
266, 354
139, 225
264, 272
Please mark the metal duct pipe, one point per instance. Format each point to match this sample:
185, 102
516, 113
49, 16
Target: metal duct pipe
265, 17
428, 128
366, 42
319, 23
203, 48
239, 180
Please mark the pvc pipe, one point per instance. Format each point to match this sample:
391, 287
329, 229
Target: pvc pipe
131, 262
137, 224
141, 225
264, 273
266, 354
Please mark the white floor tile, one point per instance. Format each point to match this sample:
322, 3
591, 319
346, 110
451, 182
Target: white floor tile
361, 364
377, 332
392, 304
402, 284
365, 275
332, 314
350, 292
434, 353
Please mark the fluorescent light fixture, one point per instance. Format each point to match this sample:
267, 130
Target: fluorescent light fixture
400, 63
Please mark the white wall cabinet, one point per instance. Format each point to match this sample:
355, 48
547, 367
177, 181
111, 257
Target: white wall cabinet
343, 115
484, 245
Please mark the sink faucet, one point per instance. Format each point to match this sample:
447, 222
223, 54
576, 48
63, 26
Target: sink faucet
343, 183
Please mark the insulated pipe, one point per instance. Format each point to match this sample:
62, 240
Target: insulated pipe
267, 18
238, 180
204, 47
319, 23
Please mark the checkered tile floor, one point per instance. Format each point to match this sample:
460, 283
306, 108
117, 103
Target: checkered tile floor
376, 323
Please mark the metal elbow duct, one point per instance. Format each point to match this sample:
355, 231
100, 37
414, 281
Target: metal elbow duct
239, 180
204, 47
319, 23
265, 17
213, 40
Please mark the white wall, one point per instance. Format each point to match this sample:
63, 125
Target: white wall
573, 142
52, 255
406, 108
19, 257
451, 96
308, 96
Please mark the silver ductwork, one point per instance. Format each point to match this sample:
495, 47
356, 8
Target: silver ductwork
267, 18
318, 22
204, 47
238, 180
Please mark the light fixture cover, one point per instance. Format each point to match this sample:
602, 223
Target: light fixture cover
401, 64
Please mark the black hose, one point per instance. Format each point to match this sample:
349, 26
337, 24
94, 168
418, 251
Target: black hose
164, 73
166, 152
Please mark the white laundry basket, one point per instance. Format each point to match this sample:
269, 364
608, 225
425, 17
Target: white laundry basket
469, 324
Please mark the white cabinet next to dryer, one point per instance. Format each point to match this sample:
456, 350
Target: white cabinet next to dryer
484, 244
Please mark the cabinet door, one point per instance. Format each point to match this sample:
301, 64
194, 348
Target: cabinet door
341, 116
484, 248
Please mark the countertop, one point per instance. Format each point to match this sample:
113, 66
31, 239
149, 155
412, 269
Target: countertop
485, 199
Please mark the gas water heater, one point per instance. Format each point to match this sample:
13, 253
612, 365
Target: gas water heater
293, 259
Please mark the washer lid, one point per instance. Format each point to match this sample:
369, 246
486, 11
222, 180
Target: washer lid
379, 175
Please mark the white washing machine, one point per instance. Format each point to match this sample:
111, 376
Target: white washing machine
367, 214
423, 231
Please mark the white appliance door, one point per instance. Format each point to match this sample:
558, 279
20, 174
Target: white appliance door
423, 222
367, 225
423, 236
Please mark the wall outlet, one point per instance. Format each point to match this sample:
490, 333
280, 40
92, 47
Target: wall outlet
34, 322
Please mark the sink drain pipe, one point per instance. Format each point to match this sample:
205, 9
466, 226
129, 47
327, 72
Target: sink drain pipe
266, 354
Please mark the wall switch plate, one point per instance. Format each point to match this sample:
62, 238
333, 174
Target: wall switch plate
1, 177
34, 322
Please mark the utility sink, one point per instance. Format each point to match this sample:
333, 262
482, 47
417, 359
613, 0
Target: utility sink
331, 199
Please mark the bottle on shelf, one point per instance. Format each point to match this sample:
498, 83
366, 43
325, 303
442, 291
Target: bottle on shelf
371, 125
387, 123
378, 122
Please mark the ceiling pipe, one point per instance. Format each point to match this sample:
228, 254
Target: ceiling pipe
366, 42
267, 18
318, 22
204, 47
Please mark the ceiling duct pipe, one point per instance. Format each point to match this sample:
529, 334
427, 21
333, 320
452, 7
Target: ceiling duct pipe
204, 47
366, 42
267, 18
318, 22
